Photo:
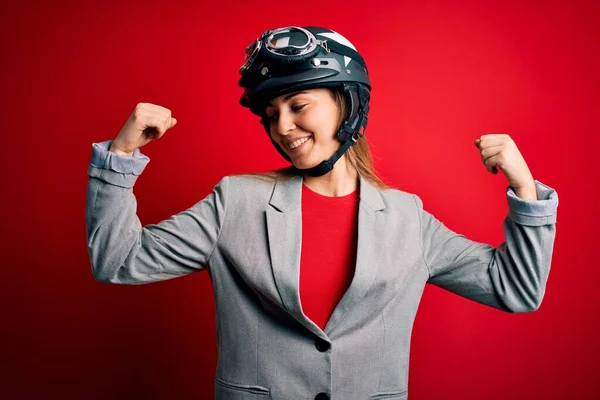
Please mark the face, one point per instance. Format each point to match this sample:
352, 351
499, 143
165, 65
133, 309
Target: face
304, 124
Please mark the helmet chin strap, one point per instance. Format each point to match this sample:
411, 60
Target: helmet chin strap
351, 131
327, 165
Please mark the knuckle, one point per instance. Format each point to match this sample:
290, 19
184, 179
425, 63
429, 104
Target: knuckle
152, 122
138, 111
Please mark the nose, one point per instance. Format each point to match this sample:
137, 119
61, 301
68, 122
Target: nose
285, 123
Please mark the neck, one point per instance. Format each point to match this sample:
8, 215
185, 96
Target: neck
340, 181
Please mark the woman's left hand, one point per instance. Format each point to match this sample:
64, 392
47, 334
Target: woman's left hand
499, 152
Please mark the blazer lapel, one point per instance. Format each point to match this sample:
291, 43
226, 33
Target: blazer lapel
284, 226
370, 219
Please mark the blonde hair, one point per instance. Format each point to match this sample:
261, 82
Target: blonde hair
358, 155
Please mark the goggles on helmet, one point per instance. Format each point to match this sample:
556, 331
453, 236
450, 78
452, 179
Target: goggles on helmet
286, 45
291, 58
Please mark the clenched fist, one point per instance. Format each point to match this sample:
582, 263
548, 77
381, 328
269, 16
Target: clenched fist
499, 152
148, 121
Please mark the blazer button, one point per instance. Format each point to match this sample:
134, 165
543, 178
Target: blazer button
322, 345
322, 396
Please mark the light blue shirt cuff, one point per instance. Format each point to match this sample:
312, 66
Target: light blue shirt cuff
105, 159
545, 206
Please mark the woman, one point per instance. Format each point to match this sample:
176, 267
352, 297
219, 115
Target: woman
317, 269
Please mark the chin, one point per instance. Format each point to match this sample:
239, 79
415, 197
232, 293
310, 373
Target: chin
301, 164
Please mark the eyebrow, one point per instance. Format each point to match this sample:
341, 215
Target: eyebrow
286, 98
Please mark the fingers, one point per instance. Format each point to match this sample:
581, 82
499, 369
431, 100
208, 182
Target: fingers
491, 140
491, 163
499, 152
490, 147
490, 152
154, 119
155, 108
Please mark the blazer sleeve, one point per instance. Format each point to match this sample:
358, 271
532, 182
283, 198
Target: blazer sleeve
511, 277
120, 249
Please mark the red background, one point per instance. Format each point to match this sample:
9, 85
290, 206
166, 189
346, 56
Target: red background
443, 74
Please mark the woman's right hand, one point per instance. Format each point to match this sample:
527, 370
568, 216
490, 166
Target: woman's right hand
148, 121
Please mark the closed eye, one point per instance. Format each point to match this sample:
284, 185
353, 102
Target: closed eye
296, 108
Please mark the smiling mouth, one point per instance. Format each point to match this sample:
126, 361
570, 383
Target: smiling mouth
298, 143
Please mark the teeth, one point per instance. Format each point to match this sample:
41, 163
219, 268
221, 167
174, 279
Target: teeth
297, 143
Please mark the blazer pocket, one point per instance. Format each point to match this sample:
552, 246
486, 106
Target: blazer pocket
390, 394
238, 391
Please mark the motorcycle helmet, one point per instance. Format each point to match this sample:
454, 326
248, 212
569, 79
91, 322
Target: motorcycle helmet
291, 59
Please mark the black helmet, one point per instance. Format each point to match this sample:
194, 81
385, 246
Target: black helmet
290, 59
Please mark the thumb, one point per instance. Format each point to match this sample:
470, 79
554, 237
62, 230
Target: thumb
173, 122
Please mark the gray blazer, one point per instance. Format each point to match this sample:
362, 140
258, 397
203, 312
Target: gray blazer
247, 234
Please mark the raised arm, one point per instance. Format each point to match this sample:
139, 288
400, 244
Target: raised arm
511, 277
121, 250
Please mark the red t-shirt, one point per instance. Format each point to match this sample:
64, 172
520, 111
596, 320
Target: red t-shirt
328, 255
